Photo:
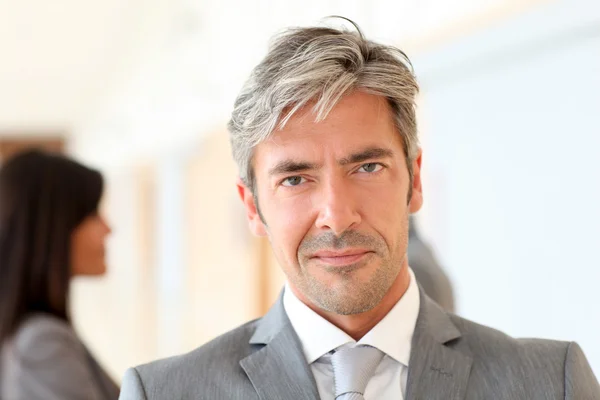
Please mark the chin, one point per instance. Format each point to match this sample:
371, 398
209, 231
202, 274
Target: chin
341, 303
98, 271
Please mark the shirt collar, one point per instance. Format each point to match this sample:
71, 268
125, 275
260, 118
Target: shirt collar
392, 335
317, 335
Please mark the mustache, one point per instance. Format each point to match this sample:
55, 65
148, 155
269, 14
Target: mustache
328, 240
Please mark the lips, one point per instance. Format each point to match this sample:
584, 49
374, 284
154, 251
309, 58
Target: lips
340, 258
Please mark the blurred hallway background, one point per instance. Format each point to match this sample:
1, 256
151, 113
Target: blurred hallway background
509, 120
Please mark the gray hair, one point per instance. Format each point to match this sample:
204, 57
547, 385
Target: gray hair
320, 65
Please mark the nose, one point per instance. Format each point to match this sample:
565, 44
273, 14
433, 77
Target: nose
107, 227
337, 208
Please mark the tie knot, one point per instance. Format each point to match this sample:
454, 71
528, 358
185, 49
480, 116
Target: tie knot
353, 367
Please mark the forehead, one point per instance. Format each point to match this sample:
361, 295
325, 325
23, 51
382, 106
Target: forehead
358, 121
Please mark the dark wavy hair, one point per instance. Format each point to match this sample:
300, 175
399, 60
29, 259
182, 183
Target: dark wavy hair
43, 198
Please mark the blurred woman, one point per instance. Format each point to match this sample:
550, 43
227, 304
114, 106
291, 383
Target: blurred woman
50, 232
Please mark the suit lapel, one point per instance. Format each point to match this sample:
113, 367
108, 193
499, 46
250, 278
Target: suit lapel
436, 371
279, 369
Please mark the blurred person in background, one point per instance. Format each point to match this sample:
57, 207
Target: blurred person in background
428, 272
324, 134
50, 232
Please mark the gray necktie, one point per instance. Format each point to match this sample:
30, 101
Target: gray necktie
352, 369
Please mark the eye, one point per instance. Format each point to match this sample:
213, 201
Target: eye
370, 167
293, 181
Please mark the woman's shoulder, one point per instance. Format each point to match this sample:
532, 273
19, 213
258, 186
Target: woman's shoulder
46, 359
41, 331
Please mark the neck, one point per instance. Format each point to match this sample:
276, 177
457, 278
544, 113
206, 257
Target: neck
357, 325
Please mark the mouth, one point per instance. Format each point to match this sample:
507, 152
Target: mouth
341, 258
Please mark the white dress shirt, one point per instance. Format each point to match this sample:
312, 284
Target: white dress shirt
392, 335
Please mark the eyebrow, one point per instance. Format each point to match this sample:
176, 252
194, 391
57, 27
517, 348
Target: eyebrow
291, 166
367, 154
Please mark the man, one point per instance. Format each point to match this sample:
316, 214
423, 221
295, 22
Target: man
325, 137
429, 274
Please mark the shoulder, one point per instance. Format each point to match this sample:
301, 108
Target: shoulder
231, 346
536, 364
482, 339
525, 367
206, 366
45, 359
43, 331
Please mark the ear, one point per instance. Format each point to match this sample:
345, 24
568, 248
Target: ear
416, 200
254, 221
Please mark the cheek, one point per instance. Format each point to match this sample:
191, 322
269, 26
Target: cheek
289, 220
384, 209
76, 249
80, 258
81, 251
90, 243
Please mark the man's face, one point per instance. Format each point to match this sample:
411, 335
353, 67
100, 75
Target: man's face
333, 196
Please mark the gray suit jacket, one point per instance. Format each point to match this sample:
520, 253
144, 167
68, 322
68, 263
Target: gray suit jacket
451, 359
45, 360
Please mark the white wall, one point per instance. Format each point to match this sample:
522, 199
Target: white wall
511, 124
